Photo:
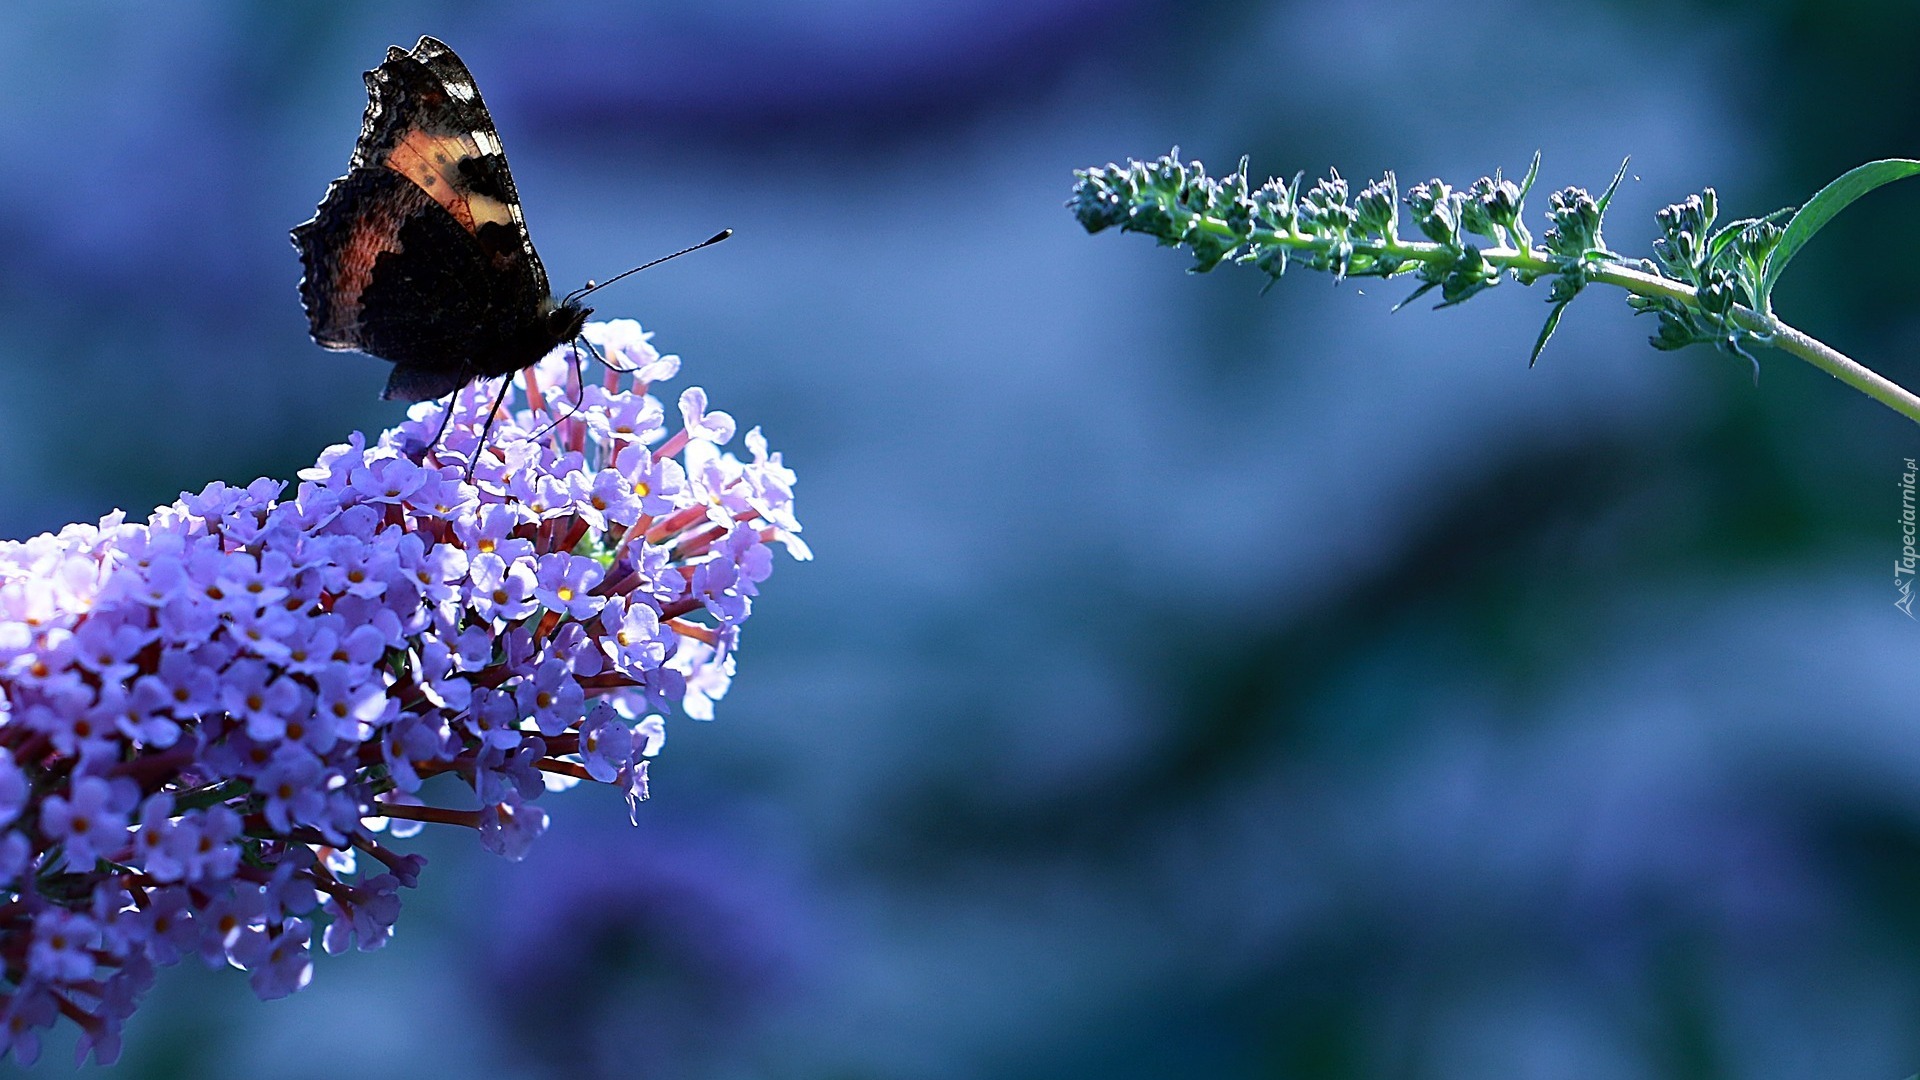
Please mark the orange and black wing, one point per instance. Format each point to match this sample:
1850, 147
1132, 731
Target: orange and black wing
420, 255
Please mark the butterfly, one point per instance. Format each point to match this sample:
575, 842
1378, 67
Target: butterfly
419, 255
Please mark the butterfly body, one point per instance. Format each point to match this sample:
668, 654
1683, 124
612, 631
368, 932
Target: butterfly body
419, 255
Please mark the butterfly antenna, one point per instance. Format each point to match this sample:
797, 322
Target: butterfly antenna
591, 287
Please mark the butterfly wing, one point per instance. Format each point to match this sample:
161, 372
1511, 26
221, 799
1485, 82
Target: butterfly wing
420, 255
426, 121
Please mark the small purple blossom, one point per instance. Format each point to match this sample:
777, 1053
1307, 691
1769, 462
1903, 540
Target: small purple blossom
509, 827
493, 718
91, 823
659, 483
502, 590
13, 789
168, 925
606, 743
634, 638
278, 960
551, 696
714, 427
291, 786
345, 702
634, 783
626, 345
627, 417
565, 584
440, 676
29, 1011
262, 700
365, 913
62, 949
603, 497
386, 480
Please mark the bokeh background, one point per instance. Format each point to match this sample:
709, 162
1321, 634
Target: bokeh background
1191, 682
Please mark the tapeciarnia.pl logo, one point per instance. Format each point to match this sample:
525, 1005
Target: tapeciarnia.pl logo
1904, 566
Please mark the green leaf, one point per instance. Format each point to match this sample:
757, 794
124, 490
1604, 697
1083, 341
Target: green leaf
1553, 321
1607, 196
1417, 294
1533, 173
1824, 206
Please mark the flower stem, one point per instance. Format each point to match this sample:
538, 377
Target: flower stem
434, 814
1841, 366
1769, 328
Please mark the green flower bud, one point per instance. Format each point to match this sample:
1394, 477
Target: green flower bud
1095, 202
1673, 333
1574, 223
1718, 293
1231, 203
1500, 202
1378, 207
1436, 211
1273, 207
1331, 191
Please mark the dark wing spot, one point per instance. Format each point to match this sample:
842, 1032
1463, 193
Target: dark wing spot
486, 175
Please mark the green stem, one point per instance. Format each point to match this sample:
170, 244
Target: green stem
1781, 336
1843, 367
1768, 327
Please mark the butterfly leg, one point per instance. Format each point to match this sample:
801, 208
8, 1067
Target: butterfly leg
605, 363
580, 381
493, 413
445, 419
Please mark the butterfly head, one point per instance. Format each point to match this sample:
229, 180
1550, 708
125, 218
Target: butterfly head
565, 319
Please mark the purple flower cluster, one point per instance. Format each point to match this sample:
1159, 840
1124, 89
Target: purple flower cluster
207, 722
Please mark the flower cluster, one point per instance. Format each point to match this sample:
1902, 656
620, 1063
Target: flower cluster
1473, 237
210, 723
1725, 266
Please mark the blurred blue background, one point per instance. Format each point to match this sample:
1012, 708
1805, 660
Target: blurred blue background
1191, 683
